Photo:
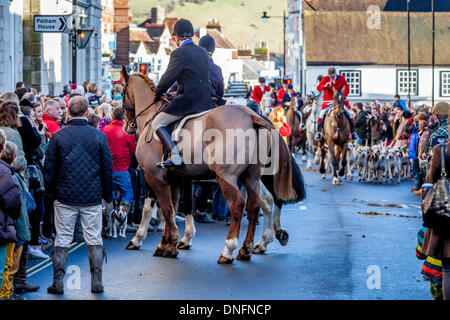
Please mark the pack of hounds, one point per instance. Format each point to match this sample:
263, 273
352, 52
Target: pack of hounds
378, 163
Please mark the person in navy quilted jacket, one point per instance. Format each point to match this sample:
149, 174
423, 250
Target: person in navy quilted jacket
78, 174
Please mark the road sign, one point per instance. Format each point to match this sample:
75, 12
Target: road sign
49, 23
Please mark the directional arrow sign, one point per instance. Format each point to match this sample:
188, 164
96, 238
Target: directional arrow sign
49, 23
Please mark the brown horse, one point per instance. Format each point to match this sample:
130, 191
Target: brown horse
337, 132
298, 135
138, 95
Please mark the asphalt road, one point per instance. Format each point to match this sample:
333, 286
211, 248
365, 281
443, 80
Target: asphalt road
336, 250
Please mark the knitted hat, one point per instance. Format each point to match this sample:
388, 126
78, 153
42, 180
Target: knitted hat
78, 90
441, 109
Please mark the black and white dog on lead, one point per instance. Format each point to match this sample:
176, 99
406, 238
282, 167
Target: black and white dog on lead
118, 218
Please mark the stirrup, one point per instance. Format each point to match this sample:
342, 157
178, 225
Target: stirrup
318, 136
174, 161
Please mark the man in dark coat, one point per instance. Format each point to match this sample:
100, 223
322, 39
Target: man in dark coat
360, 123
189, 66
78, 174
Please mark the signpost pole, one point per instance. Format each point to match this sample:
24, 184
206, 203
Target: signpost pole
74, 41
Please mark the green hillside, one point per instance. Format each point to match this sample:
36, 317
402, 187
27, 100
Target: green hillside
241, 19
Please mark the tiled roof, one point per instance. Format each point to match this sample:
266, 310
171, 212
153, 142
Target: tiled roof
344, 38
220, 39
384, 5
140, 35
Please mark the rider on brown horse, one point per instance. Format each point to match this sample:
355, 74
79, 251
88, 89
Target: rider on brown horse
189, 67
327, 85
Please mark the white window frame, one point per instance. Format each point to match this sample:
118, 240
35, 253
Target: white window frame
402, 82
444, 87
355, 86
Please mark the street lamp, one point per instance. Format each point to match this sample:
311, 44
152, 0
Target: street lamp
79, 36
83, 36
264, 19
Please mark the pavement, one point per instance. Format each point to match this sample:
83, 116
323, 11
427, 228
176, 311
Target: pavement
349, 241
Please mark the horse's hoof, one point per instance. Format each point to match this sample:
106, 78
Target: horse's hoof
243, 255
282, 236
258, 250
183, 246
223, 260
158, 252
170, 253
131, 246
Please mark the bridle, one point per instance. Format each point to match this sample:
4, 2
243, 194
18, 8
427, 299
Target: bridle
132, 124
338, 115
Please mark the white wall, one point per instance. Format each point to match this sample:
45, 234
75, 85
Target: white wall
380, 82
224, 59
11, 44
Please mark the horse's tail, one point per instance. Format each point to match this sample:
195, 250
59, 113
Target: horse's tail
297, 182
283, 182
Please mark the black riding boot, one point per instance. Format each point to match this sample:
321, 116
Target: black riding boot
59, 258
170, 149
96, 255
319, 125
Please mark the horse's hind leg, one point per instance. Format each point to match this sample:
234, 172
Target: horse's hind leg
280, 233
236, 205
251, 183
150, 206
266, 201
189, 231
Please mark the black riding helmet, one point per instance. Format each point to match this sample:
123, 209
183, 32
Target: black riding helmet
183, 28
208, 43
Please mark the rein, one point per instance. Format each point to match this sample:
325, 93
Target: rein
132, 124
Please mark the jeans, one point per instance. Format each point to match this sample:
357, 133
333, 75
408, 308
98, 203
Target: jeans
122, 180
36, 217
418, 179
220, 204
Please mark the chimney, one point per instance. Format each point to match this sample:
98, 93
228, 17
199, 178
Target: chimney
154, 14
